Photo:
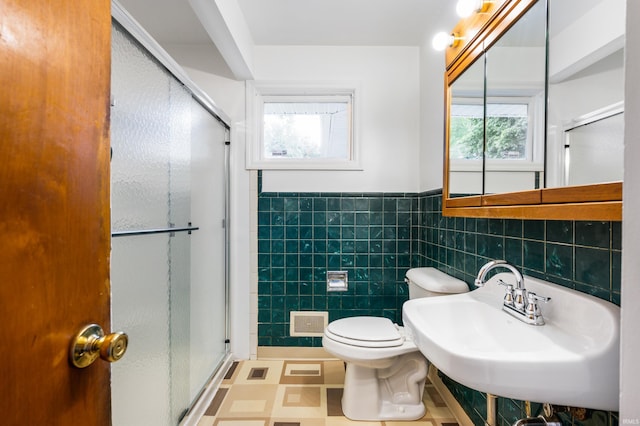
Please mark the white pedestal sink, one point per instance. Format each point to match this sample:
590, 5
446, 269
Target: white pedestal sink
571, 360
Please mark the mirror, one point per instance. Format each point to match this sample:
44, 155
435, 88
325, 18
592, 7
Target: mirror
586, 92
466, 132
500, 99
535, 108
594, 149
515, 100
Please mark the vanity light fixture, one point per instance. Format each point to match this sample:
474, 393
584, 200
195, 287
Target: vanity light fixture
442, 40
466, 8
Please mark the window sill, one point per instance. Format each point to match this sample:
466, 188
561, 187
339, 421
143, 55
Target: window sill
303, 165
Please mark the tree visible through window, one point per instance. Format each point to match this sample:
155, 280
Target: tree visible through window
507, 127
291, 136
466, 132
306, 130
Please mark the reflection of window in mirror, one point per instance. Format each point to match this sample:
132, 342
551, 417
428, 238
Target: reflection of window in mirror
509, 129
515, 143
514, 126
508, 132
466, 145
466, 129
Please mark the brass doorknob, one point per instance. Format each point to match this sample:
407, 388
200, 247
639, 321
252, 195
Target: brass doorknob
91, 343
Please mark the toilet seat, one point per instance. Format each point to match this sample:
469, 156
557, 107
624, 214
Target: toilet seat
366, 332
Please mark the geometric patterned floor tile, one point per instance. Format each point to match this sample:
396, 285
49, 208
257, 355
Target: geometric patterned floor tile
298, 393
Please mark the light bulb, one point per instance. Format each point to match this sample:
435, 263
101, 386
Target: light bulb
465, 8
442, 40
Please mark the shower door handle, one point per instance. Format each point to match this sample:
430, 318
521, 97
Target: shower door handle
91, 343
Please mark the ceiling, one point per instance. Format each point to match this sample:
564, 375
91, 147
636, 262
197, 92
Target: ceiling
306, 22
347, 22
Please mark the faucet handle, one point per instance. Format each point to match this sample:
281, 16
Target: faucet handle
532, 310
532, 297
508, 295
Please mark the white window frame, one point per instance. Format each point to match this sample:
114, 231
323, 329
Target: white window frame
257, 93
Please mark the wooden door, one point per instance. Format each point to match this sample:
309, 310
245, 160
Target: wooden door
54, 207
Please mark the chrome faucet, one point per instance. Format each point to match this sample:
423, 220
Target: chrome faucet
482, 274
518, 302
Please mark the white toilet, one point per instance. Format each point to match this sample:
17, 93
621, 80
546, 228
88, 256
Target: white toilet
386, 372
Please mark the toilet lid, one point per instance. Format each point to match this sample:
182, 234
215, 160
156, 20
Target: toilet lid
373, 332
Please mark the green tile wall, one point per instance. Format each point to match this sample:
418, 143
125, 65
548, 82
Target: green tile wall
378, 236
301, 236
585, 256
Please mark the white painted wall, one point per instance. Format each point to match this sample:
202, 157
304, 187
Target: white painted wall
431, 149
388, 100
629, 342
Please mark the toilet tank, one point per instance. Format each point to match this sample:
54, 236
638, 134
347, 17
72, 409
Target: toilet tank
429, 282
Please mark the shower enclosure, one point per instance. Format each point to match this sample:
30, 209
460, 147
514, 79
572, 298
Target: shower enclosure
169, 191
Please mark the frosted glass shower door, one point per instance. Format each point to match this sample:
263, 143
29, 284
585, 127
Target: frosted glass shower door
168, 263
208, 252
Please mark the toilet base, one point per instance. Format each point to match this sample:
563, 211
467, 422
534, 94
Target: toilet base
392, 393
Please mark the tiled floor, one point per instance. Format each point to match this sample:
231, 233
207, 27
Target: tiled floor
297, 393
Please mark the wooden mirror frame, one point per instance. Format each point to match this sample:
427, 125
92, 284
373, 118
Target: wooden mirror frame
586, 202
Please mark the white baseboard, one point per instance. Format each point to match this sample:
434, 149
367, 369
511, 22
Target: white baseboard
287, 352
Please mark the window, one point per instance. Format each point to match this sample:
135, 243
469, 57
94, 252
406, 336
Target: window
293, 128
507, 131
466, 131
513, 133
